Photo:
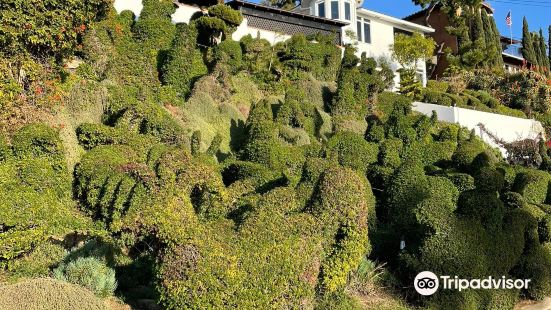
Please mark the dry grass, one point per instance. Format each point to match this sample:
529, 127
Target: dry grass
48, 294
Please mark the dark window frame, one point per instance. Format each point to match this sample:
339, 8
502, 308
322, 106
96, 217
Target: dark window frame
321, 13
347, 11
335, 14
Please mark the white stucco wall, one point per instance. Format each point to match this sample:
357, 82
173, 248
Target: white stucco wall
271, 36
505, 127
184, 13
135, 6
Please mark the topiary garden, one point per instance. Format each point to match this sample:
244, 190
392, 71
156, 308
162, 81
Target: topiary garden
245, 175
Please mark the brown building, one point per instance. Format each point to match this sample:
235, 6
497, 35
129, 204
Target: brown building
436, 18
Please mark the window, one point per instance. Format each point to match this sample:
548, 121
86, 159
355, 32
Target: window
363, 30
367, 31
347, 11
335, 9
321, 9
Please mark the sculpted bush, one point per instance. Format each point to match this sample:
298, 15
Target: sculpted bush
35, 191
184, 62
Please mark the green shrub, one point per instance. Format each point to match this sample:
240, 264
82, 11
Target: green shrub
389, 101
35, 193
449, 132
226, 13
467, 151
38, 262
389, 156
536, 265
48, 294
462, 181
184, 63
37, 140
513, 200
532, 185
436, 97
51, 28
438, 86
90, 273
351, 150
343, 204
154, 27
229, 52
93, 135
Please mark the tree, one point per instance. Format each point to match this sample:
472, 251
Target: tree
477, 29
528, 51
497, 38
549, 46
408, 51
544, 61
283, 4
493, 45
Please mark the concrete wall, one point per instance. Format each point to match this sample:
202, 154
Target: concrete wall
505, 127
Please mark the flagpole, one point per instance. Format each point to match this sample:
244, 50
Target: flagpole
511, 26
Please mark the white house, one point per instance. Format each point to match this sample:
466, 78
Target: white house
373, 33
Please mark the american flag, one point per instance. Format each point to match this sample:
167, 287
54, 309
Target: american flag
508, 19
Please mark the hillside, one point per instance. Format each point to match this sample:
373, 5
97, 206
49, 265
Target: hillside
139, 159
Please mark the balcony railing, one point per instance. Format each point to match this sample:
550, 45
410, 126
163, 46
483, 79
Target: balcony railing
513, 50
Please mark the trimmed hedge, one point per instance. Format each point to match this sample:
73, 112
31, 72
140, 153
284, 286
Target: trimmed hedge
532, 185
351, 150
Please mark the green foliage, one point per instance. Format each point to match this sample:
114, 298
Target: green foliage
391, 150
358, 86
410, 50
229, 53
48, 294
37, 185
40, 29
410, 86
344, 202
352, 151
178, 70
154, 26
438, 86
536, 265
467, 151
532, 185
321, 59
38, 262
226, 13
528, 51
90, 273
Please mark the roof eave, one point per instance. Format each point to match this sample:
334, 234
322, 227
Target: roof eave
289, 13
398, 22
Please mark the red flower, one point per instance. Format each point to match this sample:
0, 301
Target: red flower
38, 90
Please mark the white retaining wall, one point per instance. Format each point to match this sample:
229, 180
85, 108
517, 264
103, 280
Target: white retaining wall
505, 127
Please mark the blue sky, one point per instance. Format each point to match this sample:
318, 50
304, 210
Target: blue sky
538, 12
